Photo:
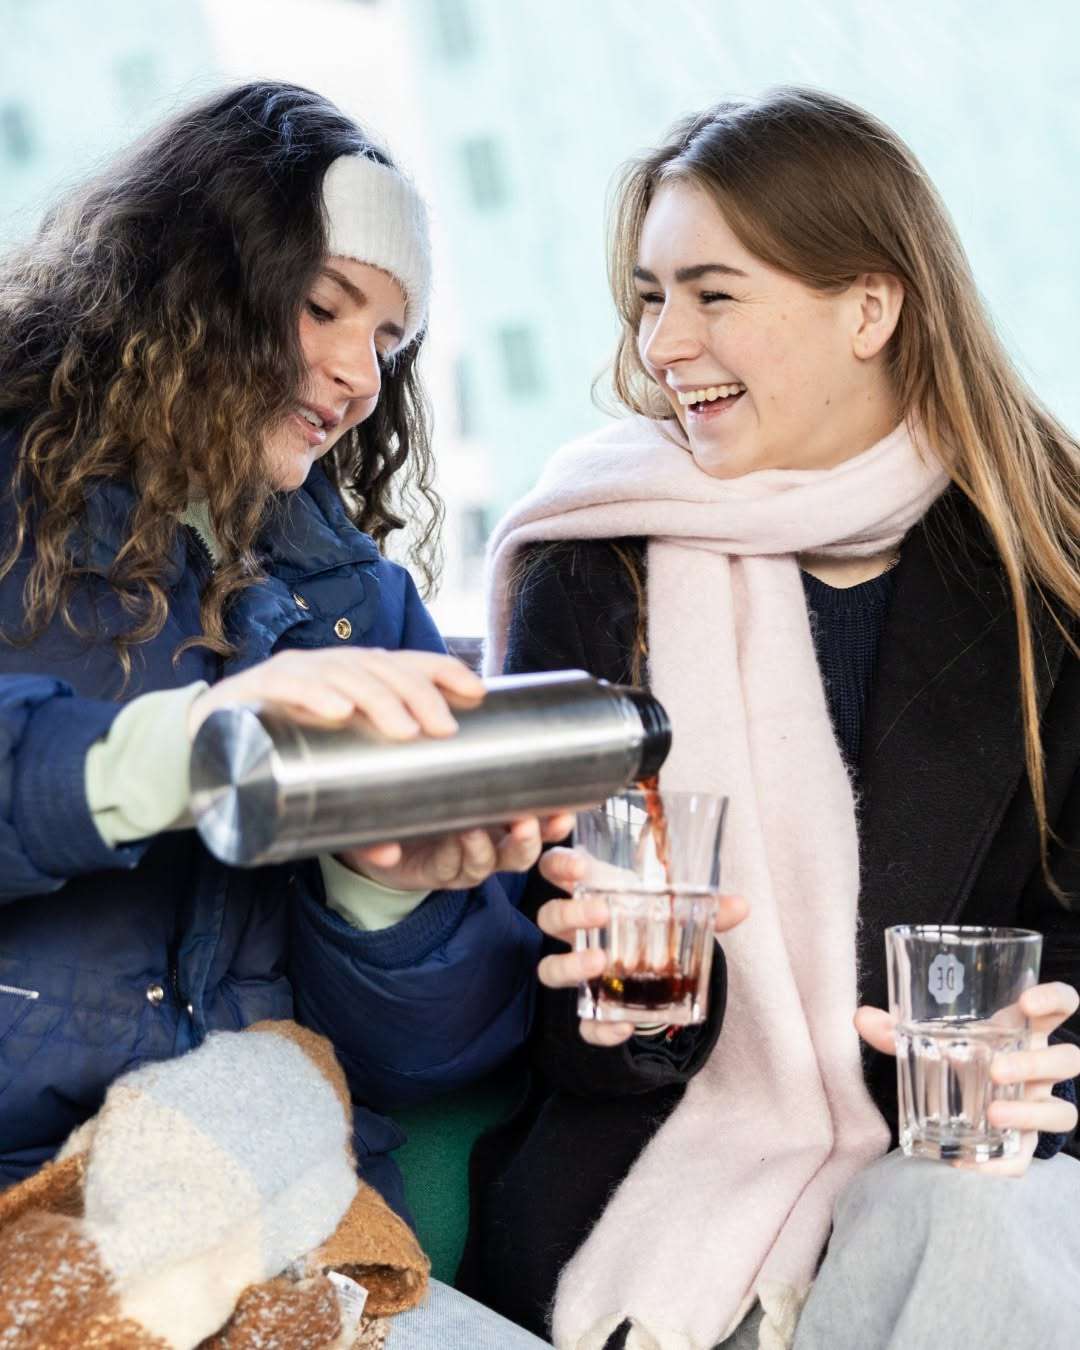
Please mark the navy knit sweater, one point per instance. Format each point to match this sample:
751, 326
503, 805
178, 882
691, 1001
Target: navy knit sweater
847, 624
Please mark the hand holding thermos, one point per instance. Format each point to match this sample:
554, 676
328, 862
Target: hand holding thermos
402, 696
340, 752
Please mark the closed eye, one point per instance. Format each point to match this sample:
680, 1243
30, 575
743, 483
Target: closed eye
317, 312
710, 297
650, 297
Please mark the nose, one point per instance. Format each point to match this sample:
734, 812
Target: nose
353, 365
673, 338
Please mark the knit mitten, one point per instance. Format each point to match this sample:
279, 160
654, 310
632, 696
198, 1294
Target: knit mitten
201, 1180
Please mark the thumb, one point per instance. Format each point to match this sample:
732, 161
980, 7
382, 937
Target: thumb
379, 855
877, 1028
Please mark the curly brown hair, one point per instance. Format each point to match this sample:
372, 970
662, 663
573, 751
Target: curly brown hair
149, 332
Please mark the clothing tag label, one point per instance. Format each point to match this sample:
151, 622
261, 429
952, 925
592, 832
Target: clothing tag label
351, 1297
946, 978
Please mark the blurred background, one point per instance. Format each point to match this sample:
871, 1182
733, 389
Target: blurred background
513, 116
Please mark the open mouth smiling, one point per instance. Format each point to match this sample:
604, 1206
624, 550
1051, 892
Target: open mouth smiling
710, 399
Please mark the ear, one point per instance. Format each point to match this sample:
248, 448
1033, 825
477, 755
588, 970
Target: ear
879, 297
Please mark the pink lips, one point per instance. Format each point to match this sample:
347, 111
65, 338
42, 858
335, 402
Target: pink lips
315, 435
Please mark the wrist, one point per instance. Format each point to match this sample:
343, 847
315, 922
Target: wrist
362, 901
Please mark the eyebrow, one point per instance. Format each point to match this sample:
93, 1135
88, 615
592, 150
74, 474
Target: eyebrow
684, 274
358, 297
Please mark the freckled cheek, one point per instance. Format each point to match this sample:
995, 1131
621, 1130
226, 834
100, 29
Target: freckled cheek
773, 368
749, 361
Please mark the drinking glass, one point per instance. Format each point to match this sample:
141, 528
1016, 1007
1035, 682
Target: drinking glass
653, 857
954, 993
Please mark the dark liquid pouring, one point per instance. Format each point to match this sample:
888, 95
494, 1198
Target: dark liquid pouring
661, 833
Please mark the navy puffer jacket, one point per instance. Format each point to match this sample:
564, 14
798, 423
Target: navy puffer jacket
112, 957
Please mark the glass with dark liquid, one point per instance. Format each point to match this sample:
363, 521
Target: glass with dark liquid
653, 857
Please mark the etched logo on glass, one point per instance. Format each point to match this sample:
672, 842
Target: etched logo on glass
946, 978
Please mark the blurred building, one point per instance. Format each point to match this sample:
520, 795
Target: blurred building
79, 80
530, 108
513, 116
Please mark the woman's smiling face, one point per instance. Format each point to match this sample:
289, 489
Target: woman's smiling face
351, 325
762, 371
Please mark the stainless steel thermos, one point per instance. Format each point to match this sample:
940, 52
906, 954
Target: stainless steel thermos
266, 787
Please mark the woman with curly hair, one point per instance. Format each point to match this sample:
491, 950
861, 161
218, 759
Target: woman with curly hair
210, 422
837, 535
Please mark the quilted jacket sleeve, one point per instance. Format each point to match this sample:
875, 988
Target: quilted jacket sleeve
47, 830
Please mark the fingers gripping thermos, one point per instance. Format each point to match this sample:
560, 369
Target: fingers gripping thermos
267, 786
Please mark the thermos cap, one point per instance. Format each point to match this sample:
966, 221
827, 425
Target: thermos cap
657, 728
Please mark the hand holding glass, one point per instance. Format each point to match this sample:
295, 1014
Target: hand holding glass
653, 857
955, 995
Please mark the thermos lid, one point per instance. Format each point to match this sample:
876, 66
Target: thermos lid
657, 727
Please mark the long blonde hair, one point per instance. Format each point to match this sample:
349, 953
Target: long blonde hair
821, 190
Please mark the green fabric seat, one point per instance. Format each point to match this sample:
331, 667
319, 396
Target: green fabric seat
434, 1160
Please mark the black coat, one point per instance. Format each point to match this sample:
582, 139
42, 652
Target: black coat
947, 835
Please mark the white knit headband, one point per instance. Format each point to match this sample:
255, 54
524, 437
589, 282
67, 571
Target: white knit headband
376, 216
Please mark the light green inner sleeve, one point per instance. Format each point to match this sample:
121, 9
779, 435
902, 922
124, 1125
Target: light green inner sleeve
362, 902
137, 775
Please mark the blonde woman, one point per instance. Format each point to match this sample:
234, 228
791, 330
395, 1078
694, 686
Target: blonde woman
838, 536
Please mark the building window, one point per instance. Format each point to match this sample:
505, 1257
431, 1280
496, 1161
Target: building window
463, 393
453, 29
484, 173
16, 137
474, 531
521, 366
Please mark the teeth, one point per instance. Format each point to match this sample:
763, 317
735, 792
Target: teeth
710, 393
309, 416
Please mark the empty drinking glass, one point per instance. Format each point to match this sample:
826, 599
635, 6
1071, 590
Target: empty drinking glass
954, 993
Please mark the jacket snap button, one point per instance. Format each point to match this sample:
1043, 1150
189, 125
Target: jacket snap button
155, 994
343, 628
300, 601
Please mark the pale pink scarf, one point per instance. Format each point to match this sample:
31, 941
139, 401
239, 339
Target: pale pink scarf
731, 1200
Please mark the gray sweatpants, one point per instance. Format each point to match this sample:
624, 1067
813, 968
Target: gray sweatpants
927, 1257
922, 1257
